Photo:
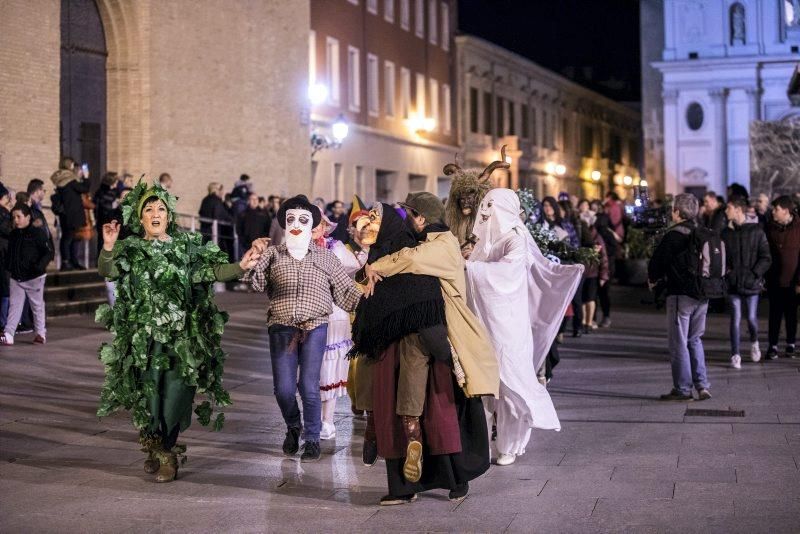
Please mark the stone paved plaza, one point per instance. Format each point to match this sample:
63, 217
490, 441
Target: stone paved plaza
624, 462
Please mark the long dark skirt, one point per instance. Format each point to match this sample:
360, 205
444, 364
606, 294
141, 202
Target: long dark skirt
446, 471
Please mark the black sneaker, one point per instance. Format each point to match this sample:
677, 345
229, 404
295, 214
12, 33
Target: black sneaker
676, 395
311, 452
369, 452
291, 444
459, 493
391, 500
772, 353
790, 351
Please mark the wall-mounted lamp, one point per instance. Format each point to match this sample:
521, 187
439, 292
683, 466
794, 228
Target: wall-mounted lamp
627, 180
339, 131
317, 93
596, 175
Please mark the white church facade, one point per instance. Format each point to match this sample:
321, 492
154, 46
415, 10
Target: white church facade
725, 64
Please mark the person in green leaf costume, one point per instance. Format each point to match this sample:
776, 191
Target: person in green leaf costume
167, 329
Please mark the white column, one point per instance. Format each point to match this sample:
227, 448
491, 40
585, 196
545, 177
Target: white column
671, 163
719, 178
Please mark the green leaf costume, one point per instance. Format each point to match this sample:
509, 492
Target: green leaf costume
167, 328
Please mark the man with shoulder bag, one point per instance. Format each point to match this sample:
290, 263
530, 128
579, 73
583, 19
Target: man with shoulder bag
691, 260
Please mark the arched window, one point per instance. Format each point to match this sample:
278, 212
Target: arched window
737, 24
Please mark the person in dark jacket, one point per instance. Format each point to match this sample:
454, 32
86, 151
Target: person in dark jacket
254, 223
213, 209
68, 205
748, 260
5, 231
783, 278
714, 215
29, 252
106, 201
36, 193
603, 225
686, 313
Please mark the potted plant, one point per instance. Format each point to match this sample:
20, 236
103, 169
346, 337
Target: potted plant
638, 249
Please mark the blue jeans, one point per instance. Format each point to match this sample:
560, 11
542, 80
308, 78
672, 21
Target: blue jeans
290, 348
735, 304
686, 324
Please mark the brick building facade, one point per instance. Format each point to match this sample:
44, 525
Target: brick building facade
204, 90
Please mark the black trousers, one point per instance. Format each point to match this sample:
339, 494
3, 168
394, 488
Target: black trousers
577, 309
783, 302
69, 249
605, 299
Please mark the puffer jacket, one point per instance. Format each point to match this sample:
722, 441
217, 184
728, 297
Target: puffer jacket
70, 188
747, 257
29, 252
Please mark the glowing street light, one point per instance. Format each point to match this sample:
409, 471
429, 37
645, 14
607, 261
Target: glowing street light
643, 183
509, 160
317, 93
340, 129
627, 180
561, 170
596, 175
550, 168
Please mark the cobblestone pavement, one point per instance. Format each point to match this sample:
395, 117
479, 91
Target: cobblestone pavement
623, 462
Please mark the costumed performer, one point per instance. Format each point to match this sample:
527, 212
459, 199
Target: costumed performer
303, 282
400, 330
476, 370
167, 329
335, 364
520, 296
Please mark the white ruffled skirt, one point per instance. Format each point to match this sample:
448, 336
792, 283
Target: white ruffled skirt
333, 374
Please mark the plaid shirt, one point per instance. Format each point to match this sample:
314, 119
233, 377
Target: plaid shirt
301, 293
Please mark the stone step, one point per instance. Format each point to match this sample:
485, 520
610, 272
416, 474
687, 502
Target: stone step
77, 307
68, 278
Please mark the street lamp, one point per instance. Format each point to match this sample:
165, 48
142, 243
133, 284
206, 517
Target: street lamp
561, 170
339, 130
596, 175
317, 93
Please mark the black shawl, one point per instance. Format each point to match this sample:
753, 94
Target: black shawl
402, 304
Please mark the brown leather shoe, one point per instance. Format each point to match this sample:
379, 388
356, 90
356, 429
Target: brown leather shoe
151, 464
168, 470
412, 467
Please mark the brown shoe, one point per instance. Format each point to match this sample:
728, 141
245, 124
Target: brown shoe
168, 470
412, 468
149, 445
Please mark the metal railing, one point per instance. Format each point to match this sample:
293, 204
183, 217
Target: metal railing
185, 221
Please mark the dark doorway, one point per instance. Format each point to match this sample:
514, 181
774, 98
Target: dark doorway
83, 86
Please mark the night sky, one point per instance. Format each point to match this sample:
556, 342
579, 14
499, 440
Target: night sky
593, 42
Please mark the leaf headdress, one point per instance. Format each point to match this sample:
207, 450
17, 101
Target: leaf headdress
134, 202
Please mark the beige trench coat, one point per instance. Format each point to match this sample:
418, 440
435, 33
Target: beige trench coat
440, 256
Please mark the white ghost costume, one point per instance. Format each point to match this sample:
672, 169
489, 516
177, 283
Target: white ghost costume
520, 296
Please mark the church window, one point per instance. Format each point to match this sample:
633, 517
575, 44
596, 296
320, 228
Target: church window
694, 116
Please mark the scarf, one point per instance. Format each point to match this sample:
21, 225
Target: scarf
402, 304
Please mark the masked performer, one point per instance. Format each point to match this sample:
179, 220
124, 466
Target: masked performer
476, 370
521, 297
401, 330
467, 189
333, 374
167, 329
303, 282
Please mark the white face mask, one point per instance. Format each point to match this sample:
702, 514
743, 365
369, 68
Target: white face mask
298, 232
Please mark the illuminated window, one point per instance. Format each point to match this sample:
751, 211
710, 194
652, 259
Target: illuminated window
419, 95
405, 92
405, 14
445, 26
419, 18
388, 10
447, 118
372, 6
434, 91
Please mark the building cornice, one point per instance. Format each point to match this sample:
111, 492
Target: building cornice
525, 67
738, 61
318, 121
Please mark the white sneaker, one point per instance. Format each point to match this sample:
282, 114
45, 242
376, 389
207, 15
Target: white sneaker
736, 361
755, 351
328, 431
6, 339
506, 459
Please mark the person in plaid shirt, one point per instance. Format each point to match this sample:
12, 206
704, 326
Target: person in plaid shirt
303, 281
